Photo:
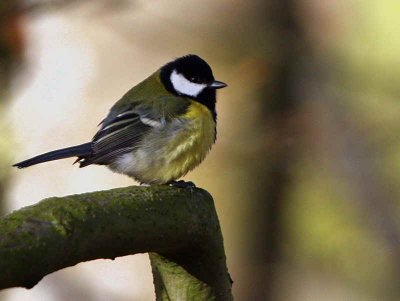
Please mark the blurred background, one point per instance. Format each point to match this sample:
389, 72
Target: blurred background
306, 170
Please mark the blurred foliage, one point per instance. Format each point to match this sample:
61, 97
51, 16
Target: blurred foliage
330, 234
327, 220
337, 57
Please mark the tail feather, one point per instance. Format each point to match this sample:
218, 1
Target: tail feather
74, 151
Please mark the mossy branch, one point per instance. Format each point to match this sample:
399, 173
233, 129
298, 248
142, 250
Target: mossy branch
179, 226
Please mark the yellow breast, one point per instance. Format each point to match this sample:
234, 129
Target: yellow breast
181, 148
193, 144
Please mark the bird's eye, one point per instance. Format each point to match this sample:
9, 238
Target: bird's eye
194, 79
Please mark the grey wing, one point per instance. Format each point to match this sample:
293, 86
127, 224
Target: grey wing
118, 134
124, 128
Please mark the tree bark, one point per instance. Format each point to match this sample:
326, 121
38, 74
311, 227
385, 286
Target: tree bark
179, 226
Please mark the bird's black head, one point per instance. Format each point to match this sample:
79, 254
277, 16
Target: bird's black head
191, 76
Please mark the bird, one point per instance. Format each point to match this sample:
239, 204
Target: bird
158, 131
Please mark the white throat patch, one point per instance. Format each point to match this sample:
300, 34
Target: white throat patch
184, 86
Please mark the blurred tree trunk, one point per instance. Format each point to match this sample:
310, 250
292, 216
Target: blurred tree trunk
11, 42
272, 176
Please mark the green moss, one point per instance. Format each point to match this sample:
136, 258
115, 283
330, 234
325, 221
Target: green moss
181, 224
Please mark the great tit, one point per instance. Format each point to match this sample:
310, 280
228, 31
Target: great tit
159, 130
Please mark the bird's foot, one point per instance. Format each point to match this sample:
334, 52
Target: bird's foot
182, 184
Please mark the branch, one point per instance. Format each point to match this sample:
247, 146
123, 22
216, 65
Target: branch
179, 225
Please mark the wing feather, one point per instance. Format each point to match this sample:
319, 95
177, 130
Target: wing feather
126, 125
117, 136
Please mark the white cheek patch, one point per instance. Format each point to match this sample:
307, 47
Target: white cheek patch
184, 86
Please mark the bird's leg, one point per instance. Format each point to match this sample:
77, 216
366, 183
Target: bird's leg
182, 184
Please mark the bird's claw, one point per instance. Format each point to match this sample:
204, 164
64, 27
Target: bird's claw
182, 184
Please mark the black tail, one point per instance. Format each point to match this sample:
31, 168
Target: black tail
74, 151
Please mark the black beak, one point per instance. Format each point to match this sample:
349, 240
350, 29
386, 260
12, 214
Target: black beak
217, 85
